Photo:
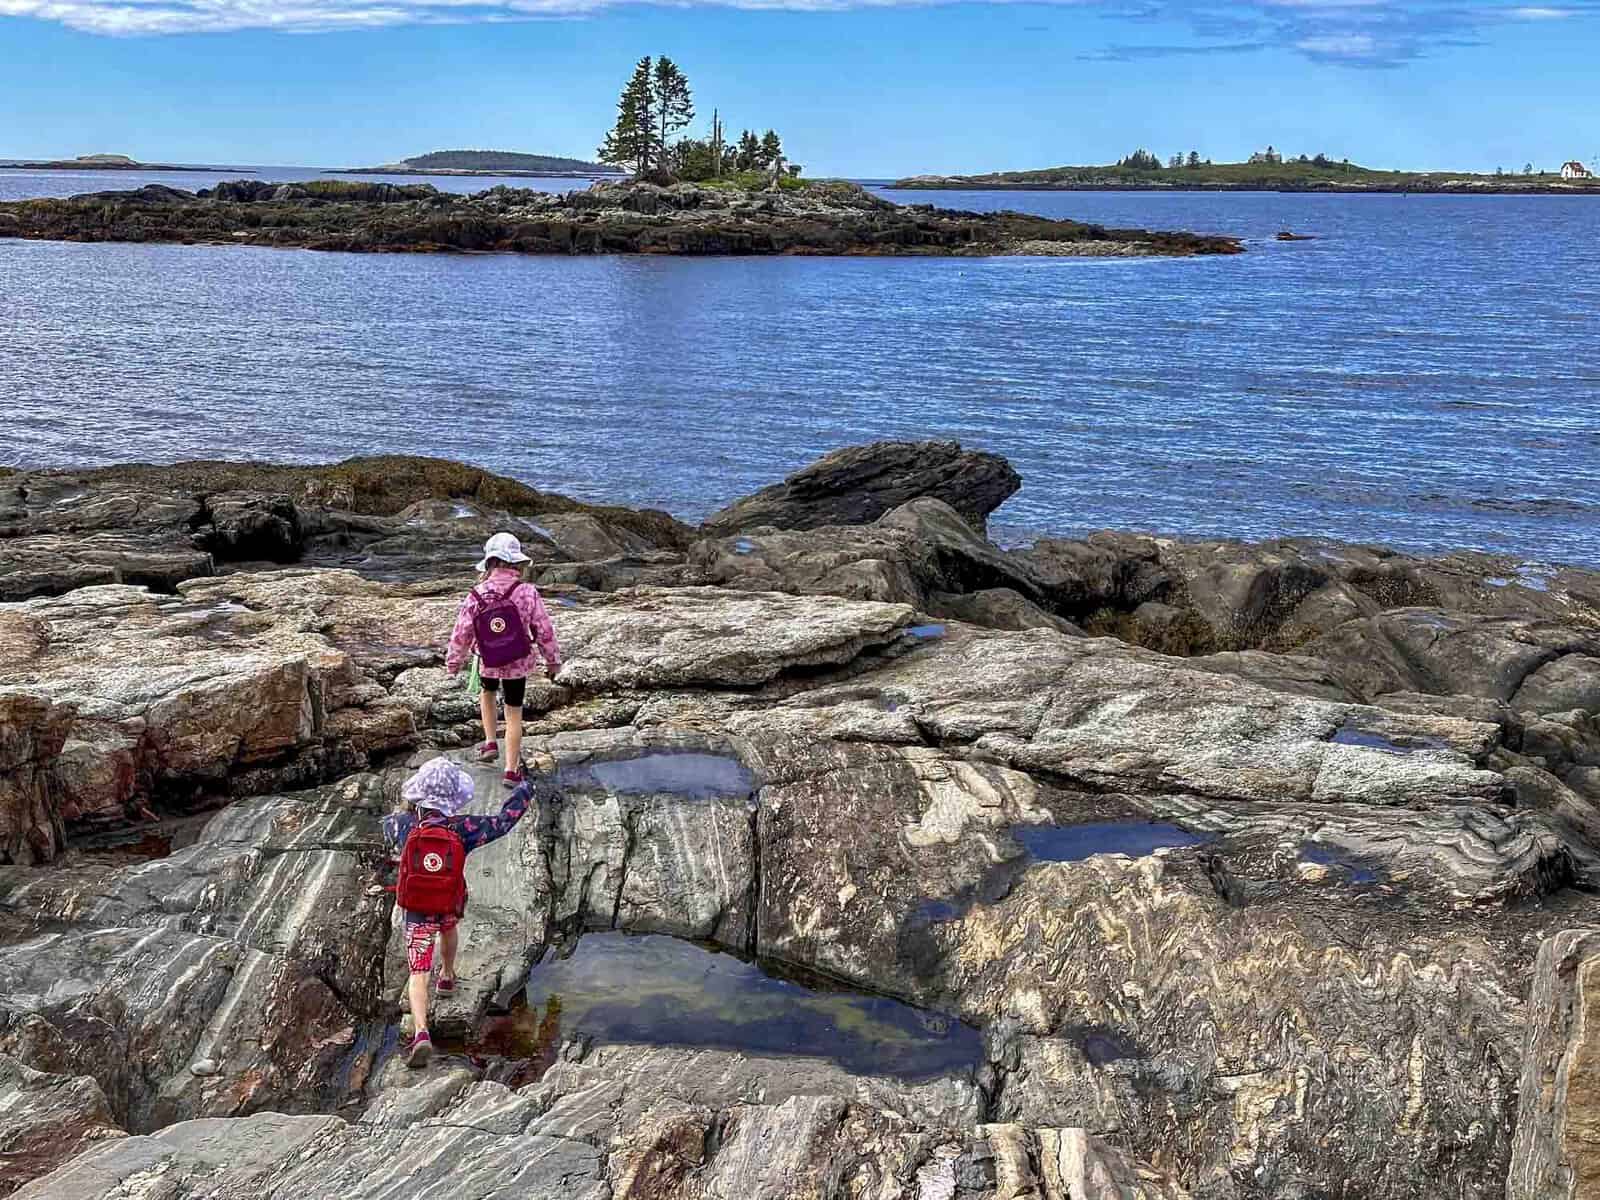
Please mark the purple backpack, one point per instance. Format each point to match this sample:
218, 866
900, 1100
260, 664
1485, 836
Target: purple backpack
502, 633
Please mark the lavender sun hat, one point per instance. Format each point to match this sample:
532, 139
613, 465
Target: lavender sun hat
441, 785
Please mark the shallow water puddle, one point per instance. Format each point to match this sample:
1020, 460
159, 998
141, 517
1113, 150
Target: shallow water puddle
1070, 843
659, 990
695, 775
926, 633
744, 546
1535, 577
1347, 735
1327, 856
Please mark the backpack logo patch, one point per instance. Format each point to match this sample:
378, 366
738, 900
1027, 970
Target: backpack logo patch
432, 863
497, 624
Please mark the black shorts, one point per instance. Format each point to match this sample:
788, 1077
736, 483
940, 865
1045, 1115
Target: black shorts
516, 690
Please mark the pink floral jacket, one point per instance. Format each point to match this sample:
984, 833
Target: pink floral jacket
464, 638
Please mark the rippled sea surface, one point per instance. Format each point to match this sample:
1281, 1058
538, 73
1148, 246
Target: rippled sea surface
1425, 374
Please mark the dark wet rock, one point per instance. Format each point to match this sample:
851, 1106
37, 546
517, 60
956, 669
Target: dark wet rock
859, 484
241, 527
610, 218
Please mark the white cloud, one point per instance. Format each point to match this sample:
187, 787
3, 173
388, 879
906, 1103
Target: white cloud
1541, 14
1340, 45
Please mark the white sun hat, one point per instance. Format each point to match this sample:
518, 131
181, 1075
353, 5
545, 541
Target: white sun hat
503, 546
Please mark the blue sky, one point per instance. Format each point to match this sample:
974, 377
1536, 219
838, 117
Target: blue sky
857, 87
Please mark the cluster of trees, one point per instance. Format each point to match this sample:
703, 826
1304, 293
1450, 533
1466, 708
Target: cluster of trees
655, 105
1143, 160
1271, 157
698, 159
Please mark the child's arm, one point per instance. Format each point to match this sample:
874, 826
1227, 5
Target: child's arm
462, 639
544, 635
476, 831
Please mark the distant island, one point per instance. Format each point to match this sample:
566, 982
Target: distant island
487, 162
104, 162
1264, 171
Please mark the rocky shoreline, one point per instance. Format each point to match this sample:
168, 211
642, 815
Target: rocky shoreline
608, 218
1249, 871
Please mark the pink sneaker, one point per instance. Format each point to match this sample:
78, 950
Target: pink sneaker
487, 751
514, 778
445, 986
421, 1050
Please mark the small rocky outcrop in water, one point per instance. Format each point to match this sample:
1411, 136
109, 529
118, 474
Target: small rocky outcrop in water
609, 218
859, 484
1297, 854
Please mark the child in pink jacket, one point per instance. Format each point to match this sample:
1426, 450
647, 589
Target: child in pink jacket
502, 567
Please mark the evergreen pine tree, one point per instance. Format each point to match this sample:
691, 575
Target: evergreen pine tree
632, 141
674, 107
771, 148
749, 156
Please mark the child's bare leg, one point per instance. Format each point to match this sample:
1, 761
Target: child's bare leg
513, 738
447, 946
418, 990
486, 711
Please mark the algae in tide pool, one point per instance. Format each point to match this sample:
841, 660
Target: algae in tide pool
662, 991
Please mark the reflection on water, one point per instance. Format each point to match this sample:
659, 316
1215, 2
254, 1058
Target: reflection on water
1069, 843
663, 991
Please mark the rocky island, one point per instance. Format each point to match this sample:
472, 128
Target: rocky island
102, 162
490, 162
1141, 868
608, 218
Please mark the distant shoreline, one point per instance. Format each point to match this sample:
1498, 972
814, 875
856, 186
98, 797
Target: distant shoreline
68, 165
464, 172
1464, 188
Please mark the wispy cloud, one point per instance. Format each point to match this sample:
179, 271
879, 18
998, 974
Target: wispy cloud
1354, 33
1140, 53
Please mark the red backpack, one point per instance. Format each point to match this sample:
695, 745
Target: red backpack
433, 878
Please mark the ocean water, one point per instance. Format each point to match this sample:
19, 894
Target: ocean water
1425, 374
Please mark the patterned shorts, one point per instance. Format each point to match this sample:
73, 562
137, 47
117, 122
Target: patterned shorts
420, 942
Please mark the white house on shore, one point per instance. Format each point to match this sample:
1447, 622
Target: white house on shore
1575, 170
